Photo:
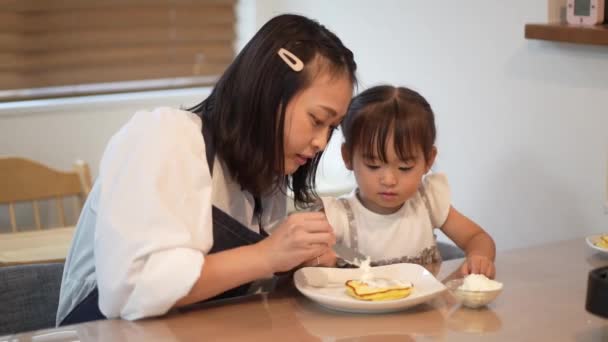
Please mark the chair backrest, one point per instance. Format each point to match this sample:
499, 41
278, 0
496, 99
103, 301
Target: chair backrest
29, 296
23, 180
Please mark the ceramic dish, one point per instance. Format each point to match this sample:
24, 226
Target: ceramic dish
472, 299
592, 240
333, 294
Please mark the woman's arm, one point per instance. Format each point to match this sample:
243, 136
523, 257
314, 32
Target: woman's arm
225, 270
301, 237
153, 211
154, 224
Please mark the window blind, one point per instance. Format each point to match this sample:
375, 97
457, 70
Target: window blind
66, 47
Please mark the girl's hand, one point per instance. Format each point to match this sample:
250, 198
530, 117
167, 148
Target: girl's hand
327, 259
301, 237
478, 264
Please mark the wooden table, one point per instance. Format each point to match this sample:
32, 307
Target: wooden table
47, 245
543, 300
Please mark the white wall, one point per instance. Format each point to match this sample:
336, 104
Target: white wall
59, 131
521, 123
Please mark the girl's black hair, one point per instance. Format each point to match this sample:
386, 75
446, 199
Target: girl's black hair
382, 110
246, 108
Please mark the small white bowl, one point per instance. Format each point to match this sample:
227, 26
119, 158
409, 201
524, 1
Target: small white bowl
472, 299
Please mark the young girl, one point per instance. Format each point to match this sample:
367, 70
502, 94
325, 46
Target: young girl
389, 137
183, 200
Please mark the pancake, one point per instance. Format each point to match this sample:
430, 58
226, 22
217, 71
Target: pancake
602, 242
378, 289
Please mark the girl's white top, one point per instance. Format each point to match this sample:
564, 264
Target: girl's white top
404, 236
146, 226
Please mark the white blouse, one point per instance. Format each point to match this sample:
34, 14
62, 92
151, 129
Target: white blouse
146, 226
404, 236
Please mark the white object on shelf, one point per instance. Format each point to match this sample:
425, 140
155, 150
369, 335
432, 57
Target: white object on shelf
585, 12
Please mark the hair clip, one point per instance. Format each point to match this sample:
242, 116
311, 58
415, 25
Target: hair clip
291, 60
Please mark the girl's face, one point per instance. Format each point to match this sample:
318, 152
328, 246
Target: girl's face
384, 187
310, 117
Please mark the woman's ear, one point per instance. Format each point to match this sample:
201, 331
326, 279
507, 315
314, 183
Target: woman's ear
346, 157
431, 159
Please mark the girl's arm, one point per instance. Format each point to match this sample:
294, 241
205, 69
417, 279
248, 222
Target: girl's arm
477, 244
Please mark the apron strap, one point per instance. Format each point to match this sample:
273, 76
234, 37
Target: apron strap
209, 146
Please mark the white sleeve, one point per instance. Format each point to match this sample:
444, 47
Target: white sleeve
154, 221
436, 194
274, 210
336, 216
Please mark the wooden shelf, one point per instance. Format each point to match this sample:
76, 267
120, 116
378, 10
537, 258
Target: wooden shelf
592, 35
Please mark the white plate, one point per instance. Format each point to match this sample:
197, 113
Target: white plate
592, 240
334, 296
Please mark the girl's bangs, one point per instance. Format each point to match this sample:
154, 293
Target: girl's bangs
372, 136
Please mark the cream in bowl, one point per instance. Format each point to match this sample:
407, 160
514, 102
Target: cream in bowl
475, 290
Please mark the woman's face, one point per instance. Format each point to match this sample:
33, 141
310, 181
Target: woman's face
310, 117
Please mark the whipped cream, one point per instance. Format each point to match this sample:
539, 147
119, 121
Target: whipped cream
479, 282
372, 281
366, 267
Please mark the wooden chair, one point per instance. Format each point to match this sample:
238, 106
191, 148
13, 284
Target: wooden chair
23, 180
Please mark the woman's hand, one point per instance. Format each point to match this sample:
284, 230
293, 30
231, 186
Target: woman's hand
478, 264
300, 238
327, 259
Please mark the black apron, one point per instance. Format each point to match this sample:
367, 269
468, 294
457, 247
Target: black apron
228, 233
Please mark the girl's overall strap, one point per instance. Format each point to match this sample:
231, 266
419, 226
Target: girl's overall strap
352, 225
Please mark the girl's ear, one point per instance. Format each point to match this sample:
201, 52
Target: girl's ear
347, 158
431, 159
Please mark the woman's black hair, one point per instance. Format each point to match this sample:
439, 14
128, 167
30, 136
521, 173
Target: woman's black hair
246, 108
385, 110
